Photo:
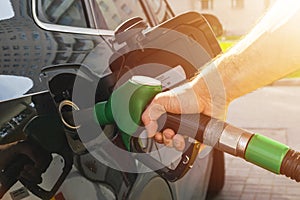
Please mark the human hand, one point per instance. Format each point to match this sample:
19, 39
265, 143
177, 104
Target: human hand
192, 97
32, 171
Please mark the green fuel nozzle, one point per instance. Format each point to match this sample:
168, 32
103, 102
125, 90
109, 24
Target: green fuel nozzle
125, 108
126, 104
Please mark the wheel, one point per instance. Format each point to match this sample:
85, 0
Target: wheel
217, 177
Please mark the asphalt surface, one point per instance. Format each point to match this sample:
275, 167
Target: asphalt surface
273, 111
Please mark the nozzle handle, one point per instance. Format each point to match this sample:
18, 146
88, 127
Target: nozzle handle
191, 125
186, 162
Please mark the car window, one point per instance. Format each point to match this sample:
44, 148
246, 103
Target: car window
62, 12
160, 10
111, 13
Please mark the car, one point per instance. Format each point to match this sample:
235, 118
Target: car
43, 39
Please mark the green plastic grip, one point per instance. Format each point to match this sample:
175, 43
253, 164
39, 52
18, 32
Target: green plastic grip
126, 105
266, 153
103, 113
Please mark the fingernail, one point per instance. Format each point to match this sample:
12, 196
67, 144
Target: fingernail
178, 142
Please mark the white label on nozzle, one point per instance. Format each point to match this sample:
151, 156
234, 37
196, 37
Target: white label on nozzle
172, 77
145, 80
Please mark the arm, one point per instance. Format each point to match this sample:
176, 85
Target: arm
268, 53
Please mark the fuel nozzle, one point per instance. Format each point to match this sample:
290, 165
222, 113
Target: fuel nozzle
126, 104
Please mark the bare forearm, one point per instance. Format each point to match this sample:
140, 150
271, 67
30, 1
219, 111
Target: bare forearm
268, 53
260, 64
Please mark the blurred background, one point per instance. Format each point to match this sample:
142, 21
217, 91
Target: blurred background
236, 16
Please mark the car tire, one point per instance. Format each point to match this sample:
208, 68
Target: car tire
217, 177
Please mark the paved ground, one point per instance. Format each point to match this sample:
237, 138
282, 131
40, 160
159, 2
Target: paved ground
274, 112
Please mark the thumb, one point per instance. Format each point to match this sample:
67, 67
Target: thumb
153, 112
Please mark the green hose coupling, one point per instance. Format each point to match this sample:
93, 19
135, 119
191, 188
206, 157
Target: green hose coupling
126, 105
266, 153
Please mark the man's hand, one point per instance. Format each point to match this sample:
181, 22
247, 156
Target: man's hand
192, 97
39, 157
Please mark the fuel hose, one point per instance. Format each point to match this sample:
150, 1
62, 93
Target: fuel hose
254, 148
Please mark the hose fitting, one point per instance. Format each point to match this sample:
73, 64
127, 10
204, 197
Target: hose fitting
290, 166
234, 141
